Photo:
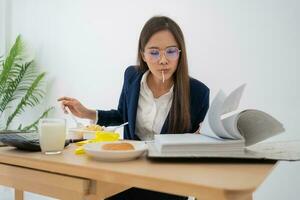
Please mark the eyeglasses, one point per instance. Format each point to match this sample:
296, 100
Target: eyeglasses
171, 53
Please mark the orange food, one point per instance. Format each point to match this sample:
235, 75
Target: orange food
118, 146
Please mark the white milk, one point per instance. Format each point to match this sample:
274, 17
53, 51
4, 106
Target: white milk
52, 136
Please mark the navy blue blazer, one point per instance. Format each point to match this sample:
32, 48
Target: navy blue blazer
128, 102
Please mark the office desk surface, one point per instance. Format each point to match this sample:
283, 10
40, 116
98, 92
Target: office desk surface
185, 178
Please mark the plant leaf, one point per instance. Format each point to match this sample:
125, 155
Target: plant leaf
35, 123
15, 52
28, 100
11, 91
20, 86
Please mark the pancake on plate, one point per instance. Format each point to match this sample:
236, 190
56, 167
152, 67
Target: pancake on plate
118, 146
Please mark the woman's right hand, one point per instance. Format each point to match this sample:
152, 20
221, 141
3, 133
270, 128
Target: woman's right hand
77, 108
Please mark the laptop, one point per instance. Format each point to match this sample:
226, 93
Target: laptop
28, 141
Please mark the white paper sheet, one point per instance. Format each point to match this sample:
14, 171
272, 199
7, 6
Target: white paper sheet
221, 105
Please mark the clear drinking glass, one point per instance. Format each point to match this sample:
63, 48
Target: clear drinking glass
52, 135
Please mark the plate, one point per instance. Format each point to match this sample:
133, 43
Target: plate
95, 151
77, 133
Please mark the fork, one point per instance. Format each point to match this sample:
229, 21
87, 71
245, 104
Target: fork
78, 124
114, 128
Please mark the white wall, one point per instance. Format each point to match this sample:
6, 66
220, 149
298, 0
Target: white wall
2, 27
86, 45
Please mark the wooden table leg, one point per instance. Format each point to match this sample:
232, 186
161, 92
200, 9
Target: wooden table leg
19, 194
100, 190
226, 195
238, 195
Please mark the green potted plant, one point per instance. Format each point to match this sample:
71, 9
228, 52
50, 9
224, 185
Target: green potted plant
21, 87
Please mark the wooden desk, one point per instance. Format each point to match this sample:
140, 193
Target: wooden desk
70, 176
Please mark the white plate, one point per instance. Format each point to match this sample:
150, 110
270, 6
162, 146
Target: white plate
76, 133
85, 134
95, 150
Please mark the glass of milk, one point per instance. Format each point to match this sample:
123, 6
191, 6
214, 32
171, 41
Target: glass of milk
52, 135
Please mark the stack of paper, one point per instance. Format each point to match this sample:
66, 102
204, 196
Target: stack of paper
231, 132
195, 143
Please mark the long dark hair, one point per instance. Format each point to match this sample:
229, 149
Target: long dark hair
179, 115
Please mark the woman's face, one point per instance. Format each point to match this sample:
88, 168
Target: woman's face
161, 54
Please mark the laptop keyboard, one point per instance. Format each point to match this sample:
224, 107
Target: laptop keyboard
25, 141
29, 136
25, 137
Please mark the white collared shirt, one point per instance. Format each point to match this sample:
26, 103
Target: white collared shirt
151, 112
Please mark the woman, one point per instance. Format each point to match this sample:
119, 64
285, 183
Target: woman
158, 96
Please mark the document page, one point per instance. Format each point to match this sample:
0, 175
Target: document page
282, 150
214, 116
221, 105
256, 126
